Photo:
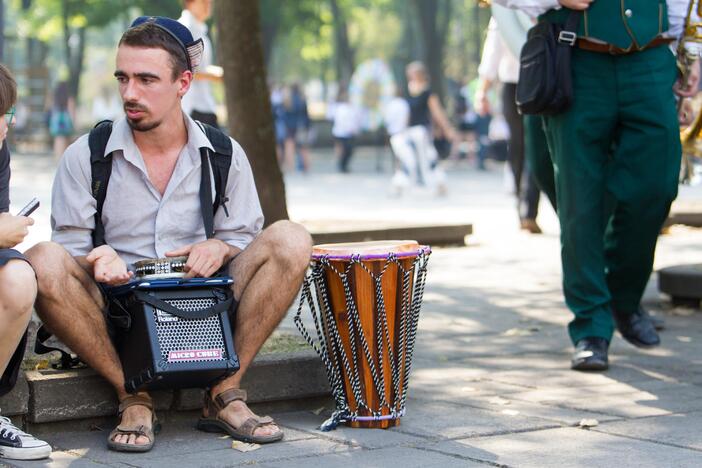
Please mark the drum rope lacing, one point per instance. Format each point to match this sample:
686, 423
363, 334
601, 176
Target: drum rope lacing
329, 345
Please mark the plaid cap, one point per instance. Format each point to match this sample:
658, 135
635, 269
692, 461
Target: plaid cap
193, 49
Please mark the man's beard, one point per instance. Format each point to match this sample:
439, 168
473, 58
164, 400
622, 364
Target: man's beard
142, 126
138, 125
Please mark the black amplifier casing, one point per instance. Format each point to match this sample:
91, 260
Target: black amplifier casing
164, 351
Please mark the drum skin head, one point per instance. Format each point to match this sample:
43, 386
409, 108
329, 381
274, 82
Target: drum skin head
366, 248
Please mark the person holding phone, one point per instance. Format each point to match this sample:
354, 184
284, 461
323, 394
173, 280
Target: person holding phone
18, 290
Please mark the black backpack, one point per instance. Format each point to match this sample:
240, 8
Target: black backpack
101, 168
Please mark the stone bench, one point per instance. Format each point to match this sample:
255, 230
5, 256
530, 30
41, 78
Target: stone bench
45, 396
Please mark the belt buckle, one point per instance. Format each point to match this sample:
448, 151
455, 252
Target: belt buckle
567, 37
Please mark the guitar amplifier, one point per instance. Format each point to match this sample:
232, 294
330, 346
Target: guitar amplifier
180, 334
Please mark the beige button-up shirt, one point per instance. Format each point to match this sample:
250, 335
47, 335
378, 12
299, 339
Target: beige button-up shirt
139, 222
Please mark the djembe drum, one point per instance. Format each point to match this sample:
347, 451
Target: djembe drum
365, 299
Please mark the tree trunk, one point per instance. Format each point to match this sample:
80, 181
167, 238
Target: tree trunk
76, 65
2, 30
66, 33
344, 53
248, 100
434, 16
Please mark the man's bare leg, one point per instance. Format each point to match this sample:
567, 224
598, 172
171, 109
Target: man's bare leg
70, 304
267, 276
18, 289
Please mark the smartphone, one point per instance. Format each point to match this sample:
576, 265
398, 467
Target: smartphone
29, 207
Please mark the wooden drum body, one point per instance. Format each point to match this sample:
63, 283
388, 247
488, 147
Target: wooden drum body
365, 299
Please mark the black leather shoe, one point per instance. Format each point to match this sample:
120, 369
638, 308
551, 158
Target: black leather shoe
590, 354
637, 328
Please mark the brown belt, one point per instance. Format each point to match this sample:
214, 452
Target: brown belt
587, 44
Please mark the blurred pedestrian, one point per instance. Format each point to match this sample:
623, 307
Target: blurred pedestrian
346, 126
61, 117
414, 147
199, 102
498, 63
297, 123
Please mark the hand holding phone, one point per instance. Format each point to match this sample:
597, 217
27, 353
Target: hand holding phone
29, 207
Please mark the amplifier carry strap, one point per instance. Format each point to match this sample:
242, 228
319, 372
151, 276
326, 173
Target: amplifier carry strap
154, 301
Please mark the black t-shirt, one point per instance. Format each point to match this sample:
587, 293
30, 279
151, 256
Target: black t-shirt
4, 179
419, 109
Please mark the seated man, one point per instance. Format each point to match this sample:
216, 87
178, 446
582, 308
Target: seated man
18, 289
152, 209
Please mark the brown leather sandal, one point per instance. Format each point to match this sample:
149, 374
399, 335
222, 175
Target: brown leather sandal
245, 432
134, 400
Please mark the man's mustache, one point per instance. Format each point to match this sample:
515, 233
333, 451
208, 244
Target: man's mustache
134, 107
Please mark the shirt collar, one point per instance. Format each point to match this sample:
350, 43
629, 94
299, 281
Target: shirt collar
122, 138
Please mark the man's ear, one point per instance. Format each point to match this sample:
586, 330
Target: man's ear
184, 81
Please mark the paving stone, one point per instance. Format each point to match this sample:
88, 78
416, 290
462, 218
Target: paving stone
178, 438
404, 457
675, 429
436, 419
572, 447
279, 453
366, 438
60, 459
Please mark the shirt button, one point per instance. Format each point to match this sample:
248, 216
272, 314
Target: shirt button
628, 13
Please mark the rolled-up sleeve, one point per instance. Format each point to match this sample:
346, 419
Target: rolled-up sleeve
245, 219
72, 204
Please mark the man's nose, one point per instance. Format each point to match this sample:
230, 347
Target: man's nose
129, 91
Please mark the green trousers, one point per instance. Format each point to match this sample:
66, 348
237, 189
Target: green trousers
538, 156
616, 155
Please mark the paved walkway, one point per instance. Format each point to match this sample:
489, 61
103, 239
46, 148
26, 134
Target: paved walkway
491, 384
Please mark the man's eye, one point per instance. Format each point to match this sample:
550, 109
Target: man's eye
121, 79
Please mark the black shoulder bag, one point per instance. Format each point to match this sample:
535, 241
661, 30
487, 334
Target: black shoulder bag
545, 84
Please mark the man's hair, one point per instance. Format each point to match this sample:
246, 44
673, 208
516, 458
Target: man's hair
8, 89
147, 35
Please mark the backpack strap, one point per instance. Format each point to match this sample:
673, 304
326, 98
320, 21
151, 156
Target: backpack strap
220, 163
100, 170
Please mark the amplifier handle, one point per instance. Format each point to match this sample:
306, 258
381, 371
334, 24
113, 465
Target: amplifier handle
185, 314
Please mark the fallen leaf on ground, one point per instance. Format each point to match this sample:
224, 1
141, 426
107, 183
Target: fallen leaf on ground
588, 423
244, 447
318, 411
518, 332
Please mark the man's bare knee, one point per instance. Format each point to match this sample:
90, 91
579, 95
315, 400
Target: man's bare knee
50, 261
18, 290
291, 245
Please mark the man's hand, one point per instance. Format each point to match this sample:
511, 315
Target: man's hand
13, 229
689, 89
108, 268
576, 4
204, 258
482, 103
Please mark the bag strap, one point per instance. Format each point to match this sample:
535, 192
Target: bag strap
206, 206
67, 361
569, 34
100, 171
220, 162
154, 301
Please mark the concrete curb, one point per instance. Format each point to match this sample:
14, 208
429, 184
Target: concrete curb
430, 235
52, 396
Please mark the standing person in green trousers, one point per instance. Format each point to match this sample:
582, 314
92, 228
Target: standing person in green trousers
616, 154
